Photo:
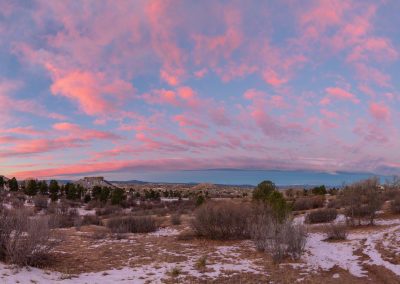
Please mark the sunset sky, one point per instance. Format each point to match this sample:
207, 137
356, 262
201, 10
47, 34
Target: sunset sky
115, 88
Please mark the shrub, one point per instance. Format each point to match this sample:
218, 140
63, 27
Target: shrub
319, 190
201, 263
63, 217
395, 205
221, 220
107, 210
281, 240
336, 232
117, 196
266, 192
321, 216
307, 203
24, 240
263, 190
91, 220
132, 224
334, 203
175, 272
200, 200
40, 202
176, 219
362, 200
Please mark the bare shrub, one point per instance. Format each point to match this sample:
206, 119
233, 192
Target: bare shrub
362, 200
176, 219
201, 263
307, 203
107, 210
91, 220
17, 202
321, 216
281, 240
334, 203
25, 240
222, 220
63, 217
92, 204
395, 204
336, 232
132, 224
40, 202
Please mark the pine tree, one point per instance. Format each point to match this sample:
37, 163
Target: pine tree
54, 190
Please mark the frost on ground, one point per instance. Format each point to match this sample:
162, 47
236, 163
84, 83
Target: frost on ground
83, 212
325, 255
165, 232
223, 261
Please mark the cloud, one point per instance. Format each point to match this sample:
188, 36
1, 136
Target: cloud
94, 92
379, 111
339, 94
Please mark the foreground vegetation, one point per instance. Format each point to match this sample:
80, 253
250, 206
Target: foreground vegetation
31, 225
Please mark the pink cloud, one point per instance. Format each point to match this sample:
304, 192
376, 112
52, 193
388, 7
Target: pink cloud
339, 93
83, 134
94, 92
29, 130
187, 121
162, 24
379, 111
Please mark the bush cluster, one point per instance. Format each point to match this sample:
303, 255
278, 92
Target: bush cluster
395, 205
336, 232
132, 224
25, 239
222, 220
307, 203
280, 239
321, 216
361, 201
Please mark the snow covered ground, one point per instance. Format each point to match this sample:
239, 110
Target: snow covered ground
325, 255
227, 259
150, 273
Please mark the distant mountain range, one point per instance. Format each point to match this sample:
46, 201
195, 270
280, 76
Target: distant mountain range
243, 177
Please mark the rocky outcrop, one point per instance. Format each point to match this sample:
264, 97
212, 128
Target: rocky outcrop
90, 182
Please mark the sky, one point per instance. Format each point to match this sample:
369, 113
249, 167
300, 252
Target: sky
119, 88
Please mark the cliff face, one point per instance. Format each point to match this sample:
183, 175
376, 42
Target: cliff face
90, 182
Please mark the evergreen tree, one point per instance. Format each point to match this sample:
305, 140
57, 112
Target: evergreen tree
263, 190
13, 184
117, 196
266, 192
104, 194
71, 191
2, 182
54, 190
96, 191
43, 187
31, 187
